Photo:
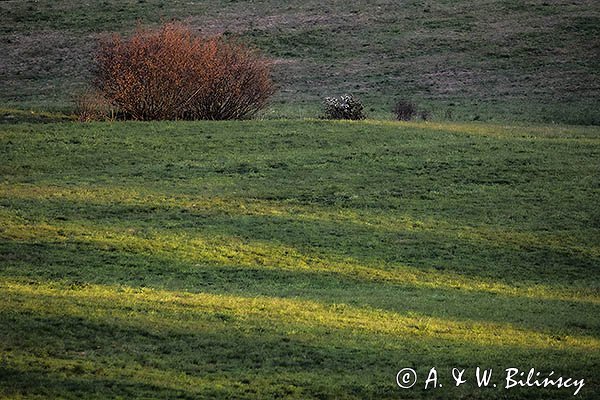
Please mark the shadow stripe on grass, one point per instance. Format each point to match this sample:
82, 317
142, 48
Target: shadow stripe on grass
110, 195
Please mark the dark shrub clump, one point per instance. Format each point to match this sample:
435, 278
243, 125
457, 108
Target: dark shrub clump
170, 73
404, 110
343, 107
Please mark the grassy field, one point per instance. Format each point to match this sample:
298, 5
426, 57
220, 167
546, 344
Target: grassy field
534, 60
291, 257
296, 259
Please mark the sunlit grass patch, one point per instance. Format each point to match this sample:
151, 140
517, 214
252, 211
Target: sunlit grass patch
122, 338
107, 195
180, 311
585, 134
233, 251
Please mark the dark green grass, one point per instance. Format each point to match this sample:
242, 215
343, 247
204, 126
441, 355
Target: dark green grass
295, 259
498, 60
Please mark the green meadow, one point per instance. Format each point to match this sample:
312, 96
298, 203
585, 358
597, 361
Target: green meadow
298, 259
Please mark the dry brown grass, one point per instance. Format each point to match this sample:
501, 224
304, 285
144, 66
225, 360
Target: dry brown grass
90, 105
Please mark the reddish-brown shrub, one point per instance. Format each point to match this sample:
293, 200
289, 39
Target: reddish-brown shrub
170, 73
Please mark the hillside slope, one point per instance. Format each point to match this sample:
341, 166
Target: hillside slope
530, 60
